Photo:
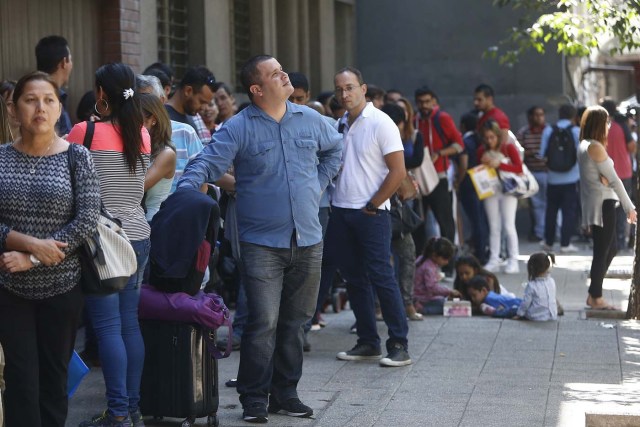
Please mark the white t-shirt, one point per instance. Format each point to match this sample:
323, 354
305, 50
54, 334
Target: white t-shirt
371, 137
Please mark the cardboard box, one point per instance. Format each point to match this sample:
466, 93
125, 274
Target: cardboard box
457, 308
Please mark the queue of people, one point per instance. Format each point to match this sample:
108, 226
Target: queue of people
314, 193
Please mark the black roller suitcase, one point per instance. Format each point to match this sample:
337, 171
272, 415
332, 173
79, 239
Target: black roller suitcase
180, 377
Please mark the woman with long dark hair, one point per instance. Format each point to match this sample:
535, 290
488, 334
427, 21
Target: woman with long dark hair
120, 148
44, 218
600, 191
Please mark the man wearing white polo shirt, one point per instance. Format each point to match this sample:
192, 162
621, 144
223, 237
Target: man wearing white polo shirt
359, 232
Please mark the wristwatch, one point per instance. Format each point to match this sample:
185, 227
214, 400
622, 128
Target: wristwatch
370, 207
35, 261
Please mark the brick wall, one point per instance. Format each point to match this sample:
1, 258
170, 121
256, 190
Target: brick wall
120, 32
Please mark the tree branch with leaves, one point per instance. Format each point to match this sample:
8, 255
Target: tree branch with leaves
574, 27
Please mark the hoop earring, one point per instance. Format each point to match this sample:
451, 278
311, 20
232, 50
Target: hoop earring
106, 106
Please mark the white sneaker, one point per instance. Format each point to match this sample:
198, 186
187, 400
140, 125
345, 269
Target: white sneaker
569, 249
494, 266
512, 267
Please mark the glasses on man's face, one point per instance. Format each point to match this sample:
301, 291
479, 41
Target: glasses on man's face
346, 89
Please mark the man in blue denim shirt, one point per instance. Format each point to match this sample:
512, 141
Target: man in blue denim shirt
284, 157
359, 232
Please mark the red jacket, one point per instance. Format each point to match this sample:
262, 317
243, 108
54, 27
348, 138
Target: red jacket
497, 115
432, 139
511, 152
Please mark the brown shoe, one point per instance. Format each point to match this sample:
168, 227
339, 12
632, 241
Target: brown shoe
412, 314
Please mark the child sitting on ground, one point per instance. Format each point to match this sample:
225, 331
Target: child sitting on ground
539, 301
490, 302
467, 267
428, 295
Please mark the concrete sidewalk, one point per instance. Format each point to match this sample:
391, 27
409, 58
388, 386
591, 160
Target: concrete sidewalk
467, 371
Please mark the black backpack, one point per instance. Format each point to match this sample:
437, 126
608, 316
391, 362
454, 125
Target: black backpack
561, 152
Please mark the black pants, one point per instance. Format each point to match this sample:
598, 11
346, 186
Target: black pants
440, 202
562, 197
604, 247
38, 338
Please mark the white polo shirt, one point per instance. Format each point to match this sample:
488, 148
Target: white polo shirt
371, 137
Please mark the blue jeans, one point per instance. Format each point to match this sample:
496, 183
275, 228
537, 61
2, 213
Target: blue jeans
115, 321
281, 286
435, 306
539, 205
474, 209
360, 245
622, 226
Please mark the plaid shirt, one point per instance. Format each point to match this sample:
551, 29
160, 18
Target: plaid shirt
203, 133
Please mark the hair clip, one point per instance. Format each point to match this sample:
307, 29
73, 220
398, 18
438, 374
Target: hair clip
128, 93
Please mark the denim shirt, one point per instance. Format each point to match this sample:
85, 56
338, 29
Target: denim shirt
281, 170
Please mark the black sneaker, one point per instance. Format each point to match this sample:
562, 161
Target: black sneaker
292, 407
398, 356
136, 418
106, 420
256, 412
360, 352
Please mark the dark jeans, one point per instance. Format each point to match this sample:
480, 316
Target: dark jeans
115, 321
440, 202
478, 217
242, 312
38, 338
564, 198
328, 270
604, 247
282, 287
360, 245
622, 226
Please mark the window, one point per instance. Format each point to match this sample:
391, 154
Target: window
241, 37
173, 34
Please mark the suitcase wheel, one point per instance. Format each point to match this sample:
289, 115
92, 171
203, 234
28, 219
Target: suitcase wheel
212, 421
189, 422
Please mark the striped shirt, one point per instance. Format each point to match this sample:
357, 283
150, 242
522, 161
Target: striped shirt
530, 140
121, 191
187, 144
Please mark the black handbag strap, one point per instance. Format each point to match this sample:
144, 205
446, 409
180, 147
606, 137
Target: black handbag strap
88, 135
71, 155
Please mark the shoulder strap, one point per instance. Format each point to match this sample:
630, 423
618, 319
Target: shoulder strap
88, 135
71, 155
438, 126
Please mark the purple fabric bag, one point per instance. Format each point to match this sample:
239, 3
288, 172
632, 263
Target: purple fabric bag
205, 309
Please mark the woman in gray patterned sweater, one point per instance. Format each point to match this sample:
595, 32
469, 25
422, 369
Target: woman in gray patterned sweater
42, 223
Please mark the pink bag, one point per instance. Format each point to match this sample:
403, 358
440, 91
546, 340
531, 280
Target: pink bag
205, 309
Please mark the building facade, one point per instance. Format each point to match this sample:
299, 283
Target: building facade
314, 37
404, 45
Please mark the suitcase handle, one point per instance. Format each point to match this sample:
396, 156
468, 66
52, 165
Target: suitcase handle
209, 338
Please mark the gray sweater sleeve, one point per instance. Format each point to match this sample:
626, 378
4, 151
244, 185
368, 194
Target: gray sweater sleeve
605, 168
